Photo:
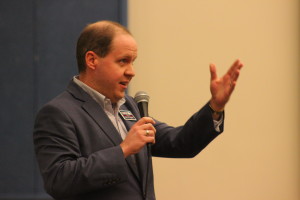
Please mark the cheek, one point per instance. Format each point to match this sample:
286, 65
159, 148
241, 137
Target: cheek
110, 80
115, 75
110, 74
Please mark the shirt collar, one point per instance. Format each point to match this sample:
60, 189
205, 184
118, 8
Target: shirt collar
104, 102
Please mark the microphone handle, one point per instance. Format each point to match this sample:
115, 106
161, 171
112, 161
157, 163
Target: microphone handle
143, 108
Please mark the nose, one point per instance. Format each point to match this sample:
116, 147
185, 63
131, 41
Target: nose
130, 71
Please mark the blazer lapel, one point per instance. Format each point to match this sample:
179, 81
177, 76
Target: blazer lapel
96, 112
141, 158
99, 116
106, 125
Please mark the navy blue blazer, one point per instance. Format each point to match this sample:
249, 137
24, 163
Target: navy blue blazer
79, 156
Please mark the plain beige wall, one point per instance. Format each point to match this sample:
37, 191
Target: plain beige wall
258, 155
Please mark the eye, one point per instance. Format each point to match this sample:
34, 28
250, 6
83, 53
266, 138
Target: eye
123, 61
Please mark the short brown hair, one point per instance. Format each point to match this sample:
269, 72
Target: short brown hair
96, 37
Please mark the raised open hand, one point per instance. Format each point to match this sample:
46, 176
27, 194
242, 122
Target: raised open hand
222, 88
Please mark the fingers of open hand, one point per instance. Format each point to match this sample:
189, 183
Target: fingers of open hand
234, 70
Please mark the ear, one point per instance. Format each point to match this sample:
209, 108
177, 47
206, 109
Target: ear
91, 59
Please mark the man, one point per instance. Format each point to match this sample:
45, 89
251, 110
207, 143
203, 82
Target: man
90, 141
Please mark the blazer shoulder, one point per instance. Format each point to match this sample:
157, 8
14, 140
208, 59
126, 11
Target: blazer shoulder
72, 95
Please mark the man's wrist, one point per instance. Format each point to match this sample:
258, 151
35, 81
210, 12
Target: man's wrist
216, 113
124, 149
214, 110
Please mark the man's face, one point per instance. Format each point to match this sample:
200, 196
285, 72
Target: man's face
114, 72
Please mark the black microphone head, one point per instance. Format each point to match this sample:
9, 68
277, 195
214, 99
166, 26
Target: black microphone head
141, 96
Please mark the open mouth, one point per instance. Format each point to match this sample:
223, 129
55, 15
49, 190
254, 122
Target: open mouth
124, 84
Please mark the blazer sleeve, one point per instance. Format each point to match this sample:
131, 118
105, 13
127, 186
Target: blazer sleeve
65, 170
188, 140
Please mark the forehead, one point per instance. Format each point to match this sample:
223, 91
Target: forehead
124, 42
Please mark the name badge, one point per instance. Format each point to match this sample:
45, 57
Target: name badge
127, 115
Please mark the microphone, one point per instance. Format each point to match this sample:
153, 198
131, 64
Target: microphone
142, 99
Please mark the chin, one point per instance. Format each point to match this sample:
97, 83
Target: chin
122, 95
118, 98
